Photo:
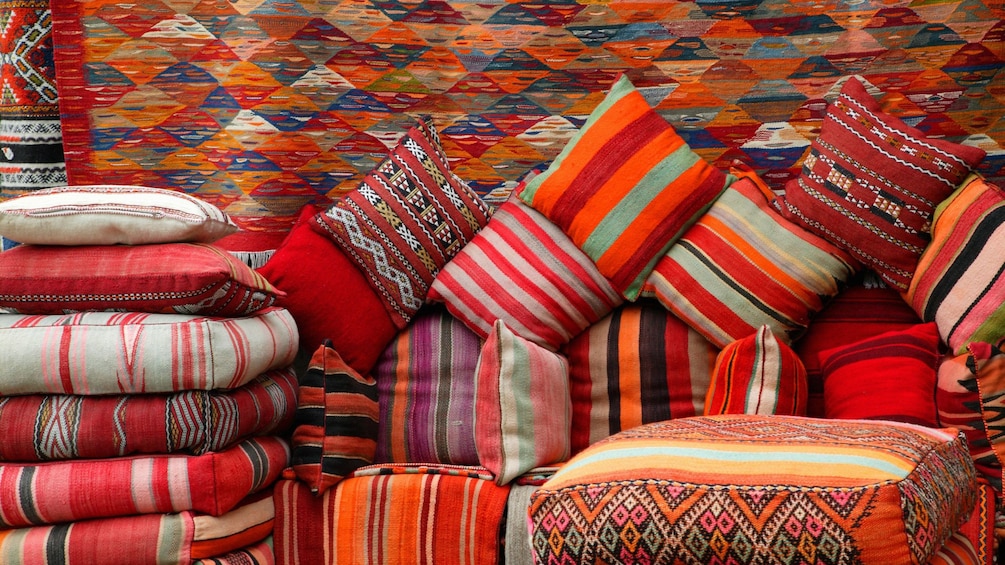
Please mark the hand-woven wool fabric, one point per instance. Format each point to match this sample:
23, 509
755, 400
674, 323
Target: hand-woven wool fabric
336, 421
625, 187
82, 489
639, 364
959, 283
259, 553
52, 427
871, 183
328, 296
522, 405
111, 214
522, 269
179, 278
758, 374
742, 266
426, 383
975, 541
890, 376
134, 353
987, 363
453, 517
757, 489
407, 218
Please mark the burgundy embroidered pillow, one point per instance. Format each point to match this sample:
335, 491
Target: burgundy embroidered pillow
181, 278
871, 183
407, 218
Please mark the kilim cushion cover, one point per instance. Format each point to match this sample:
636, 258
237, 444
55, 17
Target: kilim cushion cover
407, 218
639, 364
758, 374
38, 427
328, 296
182, 278
522, 406
871, 183
522, 269
259, 553
81, 489
742, 266
336, 421
757, 489
625, 187
974, 543
111, 214
887, 377
177, 537
426, 383
987, 363
133, 353
959, 283
453, 517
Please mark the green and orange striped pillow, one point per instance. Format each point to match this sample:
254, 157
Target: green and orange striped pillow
625, 187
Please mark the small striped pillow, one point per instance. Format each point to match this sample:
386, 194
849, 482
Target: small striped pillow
522, 406
757, 375
335, 429
960, 283
625, 187
743, 265
524, 270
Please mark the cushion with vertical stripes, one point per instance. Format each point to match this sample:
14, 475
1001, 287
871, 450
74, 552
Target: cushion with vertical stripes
335, 428
522, 269
870, 184
960, 280
522, 406
426, 386
625, 187
639, 364
758, 374
742, 266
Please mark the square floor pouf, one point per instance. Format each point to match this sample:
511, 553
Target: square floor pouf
757, 489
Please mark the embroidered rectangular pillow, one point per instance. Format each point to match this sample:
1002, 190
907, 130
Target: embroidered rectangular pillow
871, 183
111, 214
625, 187
136, 353
38, 427
405, 220
180, 278
742, 265
82, 489
959, 283
522, 269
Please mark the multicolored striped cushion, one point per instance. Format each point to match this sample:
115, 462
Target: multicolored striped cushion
336, 421
757, 375
639, 364
260, 553
405, 220
871, 183
974, 543
82, 489
426, 383
420, 515
179, 278
625, 187
522, 405
135, 353
959, 283
757, 489
53, 427
891, 376
742, 266
987, 363
522, 269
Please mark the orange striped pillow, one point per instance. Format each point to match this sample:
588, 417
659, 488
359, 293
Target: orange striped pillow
625, 188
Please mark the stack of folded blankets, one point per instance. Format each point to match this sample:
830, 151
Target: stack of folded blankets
146, 383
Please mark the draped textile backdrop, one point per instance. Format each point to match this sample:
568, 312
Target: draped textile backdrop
261, 106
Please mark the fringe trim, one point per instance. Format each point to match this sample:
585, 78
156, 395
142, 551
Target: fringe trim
253, 259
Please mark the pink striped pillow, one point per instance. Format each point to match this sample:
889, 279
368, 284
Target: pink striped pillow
522, 269
522, 405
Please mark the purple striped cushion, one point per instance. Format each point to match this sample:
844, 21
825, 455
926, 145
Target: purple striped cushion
426, 387
522, 269
522, 407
